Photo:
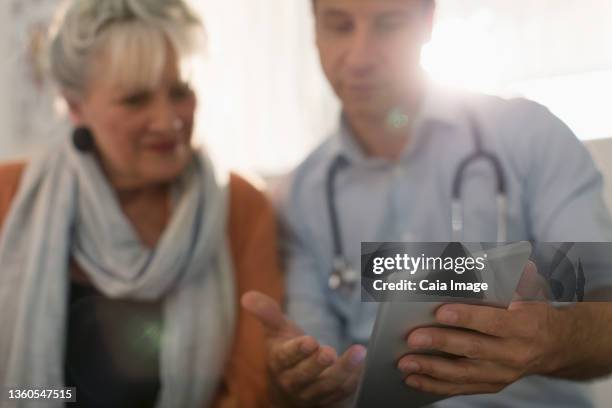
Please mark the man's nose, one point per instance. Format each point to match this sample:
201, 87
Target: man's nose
362, 55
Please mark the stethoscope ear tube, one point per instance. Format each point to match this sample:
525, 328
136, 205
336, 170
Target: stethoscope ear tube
342, 275
338, 164
479, 153
502, 221
457, 219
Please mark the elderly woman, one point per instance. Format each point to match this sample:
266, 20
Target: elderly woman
123, 250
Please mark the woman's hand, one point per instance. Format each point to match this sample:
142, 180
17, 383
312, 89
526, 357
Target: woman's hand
303, 372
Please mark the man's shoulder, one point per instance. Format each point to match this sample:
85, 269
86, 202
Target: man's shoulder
499, 117
315, 165
306, 178
499, 107
517, 124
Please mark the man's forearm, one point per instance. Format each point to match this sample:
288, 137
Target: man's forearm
588, 342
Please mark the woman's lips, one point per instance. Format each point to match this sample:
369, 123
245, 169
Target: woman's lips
163, 147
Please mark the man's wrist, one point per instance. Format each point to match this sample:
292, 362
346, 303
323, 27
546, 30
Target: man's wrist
565, 348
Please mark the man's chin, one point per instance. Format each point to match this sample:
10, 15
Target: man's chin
366, 107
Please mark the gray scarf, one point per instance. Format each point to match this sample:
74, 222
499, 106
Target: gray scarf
66, 208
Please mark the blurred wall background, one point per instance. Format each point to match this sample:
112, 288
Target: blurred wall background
263, 100
4, 68
30, 115
557, 52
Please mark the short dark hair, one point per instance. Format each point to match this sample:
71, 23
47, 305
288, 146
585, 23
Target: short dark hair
428, 3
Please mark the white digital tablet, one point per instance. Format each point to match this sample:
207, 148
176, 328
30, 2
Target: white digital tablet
382, 380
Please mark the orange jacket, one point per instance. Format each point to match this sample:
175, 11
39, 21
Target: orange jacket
252, 236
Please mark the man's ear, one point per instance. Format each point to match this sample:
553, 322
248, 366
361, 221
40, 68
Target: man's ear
315, 22
430, 15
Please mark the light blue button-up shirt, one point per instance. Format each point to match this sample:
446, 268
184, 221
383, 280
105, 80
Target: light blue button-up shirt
554, 194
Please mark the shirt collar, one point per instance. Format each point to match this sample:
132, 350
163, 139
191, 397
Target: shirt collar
440, 107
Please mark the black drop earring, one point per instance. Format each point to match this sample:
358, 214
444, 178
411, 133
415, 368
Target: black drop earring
83, 140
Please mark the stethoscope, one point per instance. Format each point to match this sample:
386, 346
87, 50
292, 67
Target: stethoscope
344, 278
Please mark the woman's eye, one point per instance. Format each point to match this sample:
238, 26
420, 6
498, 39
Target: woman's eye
137, 99
181, 92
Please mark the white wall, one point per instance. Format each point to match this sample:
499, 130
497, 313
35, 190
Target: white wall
27, 112
5, 123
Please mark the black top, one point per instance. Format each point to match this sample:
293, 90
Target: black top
112, 350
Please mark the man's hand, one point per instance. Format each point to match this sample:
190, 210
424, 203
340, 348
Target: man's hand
499, 347
303, 372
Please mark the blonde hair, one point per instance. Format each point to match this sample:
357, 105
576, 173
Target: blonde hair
135, 35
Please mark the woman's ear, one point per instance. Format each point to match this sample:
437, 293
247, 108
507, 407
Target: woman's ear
75, 109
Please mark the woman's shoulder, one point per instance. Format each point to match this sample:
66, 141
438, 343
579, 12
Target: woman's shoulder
249, 208
10, 175
247, 195
11, 170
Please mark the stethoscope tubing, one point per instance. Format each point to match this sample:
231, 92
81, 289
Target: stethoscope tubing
343, 276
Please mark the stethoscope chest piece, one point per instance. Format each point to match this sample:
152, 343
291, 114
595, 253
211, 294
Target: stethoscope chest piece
343, 278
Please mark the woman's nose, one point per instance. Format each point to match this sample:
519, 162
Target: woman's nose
164, 117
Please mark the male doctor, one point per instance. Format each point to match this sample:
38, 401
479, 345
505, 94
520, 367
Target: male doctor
390, 167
